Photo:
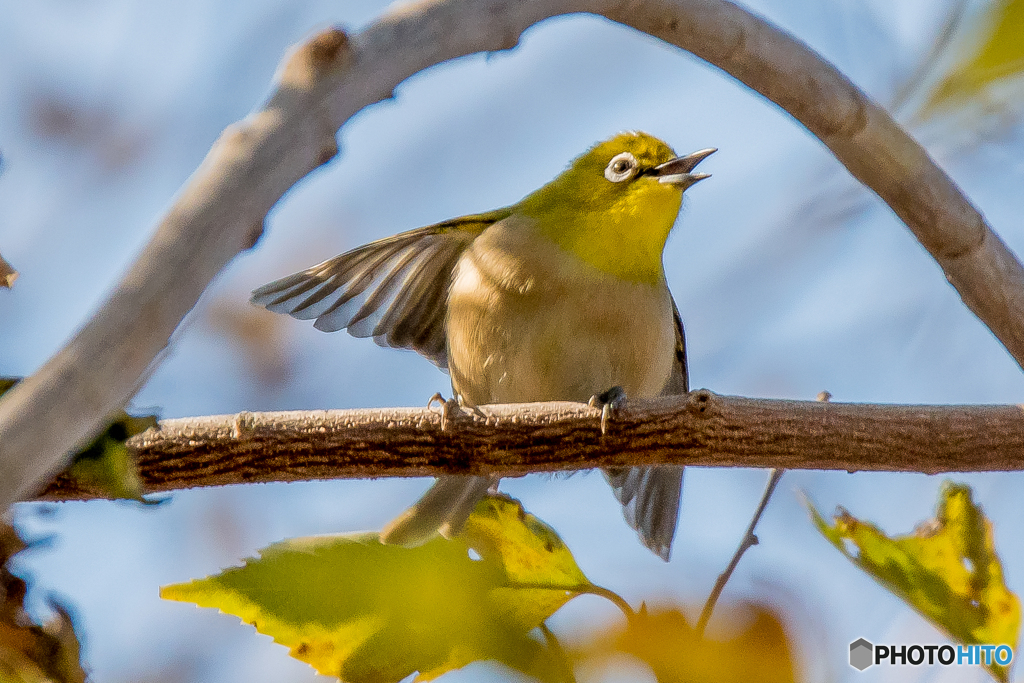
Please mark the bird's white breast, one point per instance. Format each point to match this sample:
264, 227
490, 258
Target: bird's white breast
528, 321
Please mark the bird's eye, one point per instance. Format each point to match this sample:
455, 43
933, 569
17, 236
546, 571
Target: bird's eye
621, 167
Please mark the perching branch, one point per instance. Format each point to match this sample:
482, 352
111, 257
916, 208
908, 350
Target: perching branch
325, 81
701, 428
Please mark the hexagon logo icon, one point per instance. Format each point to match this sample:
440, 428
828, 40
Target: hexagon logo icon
861, 652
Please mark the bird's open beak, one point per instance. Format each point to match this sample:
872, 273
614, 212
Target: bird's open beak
677, 171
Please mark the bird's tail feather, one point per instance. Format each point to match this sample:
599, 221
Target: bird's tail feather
650, 502
443, 509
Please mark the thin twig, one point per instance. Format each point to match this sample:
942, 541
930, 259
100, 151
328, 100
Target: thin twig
749, 539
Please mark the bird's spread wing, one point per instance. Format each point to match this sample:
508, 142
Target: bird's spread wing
394, 290
650, 494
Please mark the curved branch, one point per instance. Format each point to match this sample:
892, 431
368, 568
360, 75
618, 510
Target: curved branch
325, 81
700, 428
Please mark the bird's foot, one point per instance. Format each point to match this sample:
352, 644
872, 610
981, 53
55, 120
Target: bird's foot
476, 410
608, 401
448, 405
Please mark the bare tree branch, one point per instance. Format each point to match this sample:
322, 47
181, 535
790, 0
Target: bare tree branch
701, 428
328, 79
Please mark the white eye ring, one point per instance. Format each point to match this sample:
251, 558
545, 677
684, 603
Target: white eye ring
622, 167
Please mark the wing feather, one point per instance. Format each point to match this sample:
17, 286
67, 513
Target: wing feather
395, 276
355, 274
679, 381
394, 290
417, 316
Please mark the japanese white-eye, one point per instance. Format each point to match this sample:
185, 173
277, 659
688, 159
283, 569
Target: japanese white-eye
561, 296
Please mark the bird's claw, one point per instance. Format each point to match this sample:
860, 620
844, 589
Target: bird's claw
450, 404
608, 401
447, 405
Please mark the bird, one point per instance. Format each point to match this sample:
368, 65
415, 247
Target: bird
561, 296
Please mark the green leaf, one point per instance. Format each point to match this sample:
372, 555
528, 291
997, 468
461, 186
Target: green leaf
947, 569
995, 51
366, 612
106, 464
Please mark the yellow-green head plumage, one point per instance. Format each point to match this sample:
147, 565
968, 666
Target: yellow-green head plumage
613, 207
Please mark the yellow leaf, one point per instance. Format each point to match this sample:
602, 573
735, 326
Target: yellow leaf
947, 569
664, 640
366, 612
530, 553
994, 52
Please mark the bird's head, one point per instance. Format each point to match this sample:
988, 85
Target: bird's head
616, 204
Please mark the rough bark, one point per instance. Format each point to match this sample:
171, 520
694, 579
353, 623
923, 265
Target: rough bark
701, 428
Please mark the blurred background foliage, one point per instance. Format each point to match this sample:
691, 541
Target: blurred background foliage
791, 279
986, 64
